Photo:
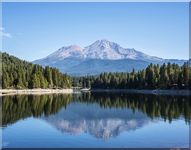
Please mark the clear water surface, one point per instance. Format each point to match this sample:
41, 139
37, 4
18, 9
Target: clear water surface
96, 120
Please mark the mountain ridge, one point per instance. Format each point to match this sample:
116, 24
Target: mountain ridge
69, 59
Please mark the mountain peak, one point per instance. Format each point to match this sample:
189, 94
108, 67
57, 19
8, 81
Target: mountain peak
76, 47
67, 51
103, 42
102, 49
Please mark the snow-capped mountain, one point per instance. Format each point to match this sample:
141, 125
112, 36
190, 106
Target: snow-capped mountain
101, 56
101, 49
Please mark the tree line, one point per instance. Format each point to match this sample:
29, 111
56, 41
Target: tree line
21, 74
166, 76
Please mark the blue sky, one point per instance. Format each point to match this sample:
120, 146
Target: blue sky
33, 30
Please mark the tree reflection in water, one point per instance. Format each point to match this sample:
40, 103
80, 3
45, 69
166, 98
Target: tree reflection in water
168, 108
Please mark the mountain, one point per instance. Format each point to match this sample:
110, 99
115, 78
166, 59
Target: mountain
101, 56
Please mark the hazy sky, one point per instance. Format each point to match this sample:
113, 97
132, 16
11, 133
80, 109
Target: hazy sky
33, 30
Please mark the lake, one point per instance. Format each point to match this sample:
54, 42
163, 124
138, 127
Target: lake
96, 120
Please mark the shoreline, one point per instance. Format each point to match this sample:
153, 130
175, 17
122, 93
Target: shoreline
4, 92
176, 92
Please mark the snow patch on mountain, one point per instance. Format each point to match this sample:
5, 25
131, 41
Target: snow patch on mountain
69, 51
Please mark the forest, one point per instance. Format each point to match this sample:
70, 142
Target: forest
166, 76
21, 74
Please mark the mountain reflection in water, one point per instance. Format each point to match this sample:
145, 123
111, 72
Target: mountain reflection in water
101, 123
103, 115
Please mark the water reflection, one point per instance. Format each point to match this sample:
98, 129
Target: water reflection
101, 115
98, 122
19, 107
166, 107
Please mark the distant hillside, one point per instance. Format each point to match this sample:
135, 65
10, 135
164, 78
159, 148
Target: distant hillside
22, 74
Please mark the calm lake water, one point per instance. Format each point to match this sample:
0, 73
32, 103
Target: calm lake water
96, 120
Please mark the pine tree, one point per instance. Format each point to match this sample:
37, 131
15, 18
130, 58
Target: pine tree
48, 76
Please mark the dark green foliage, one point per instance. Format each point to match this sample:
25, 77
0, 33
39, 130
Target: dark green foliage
166, 107
167, 76
21, 75
23, 106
